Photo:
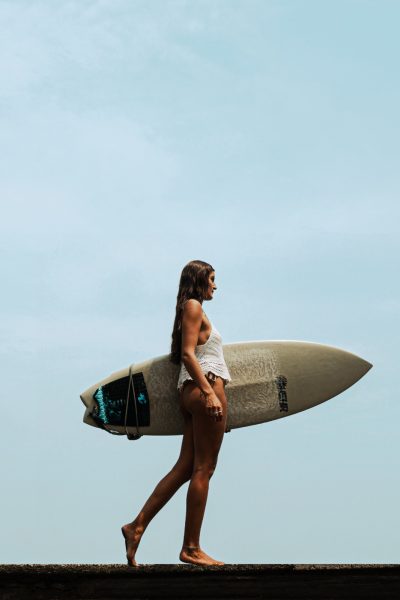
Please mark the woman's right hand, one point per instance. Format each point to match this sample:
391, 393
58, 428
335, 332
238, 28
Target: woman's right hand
213, 406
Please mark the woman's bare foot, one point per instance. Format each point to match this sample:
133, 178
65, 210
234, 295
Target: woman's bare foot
132, 534
194, 555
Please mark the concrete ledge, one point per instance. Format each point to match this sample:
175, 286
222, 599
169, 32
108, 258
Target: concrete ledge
275, 582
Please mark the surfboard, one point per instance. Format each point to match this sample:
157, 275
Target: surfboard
270, 380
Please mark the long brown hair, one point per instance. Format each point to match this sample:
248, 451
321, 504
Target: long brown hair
193, 284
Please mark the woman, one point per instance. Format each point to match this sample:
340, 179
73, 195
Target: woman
197, 346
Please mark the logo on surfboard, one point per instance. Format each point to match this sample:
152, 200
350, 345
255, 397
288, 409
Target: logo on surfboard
281, 383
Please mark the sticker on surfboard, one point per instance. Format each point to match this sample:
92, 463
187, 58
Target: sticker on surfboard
111, 403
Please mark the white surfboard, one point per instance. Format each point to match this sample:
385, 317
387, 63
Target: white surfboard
270, 380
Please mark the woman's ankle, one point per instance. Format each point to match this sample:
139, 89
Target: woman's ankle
136, 526
190, 546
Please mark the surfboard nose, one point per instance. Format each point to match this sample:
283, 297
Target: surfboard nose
353, 367
321, 372
367, 365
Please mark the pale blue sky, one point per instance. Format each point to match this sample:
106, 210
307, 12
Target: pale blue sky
260, 136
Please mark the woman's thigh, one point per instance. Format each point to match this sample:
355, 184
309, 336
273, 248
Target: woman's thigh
186, 456
207, 432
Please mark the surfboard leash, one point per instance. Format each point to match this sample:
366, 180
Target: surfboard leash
137, 435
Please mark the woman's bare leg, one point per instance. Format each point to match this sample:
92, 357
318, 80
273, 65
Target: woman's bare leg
166, 488
207, 438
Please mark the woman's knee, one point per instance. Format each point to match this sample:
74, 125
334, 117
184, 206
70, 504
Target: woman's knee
206, 469
183, 471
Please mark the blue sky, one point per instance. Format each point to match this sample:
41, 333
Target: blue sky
260, 136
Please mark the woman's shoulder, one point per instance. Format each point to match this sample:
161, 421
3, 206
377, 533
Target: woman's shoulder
193, 307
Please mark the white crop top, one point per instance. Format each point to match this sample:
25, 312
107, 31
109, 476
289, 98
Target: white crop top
210, 357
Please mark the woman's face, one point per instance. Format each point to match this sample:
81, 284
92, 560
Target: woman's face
211, 286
